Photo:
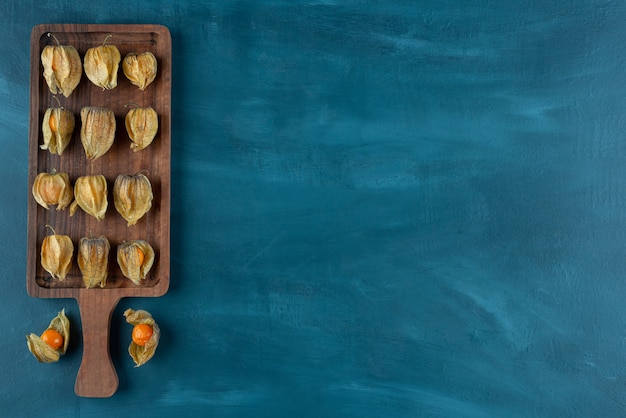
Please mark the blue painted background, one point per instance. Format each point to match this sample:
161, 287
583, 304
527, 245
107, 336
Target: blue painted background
380, 208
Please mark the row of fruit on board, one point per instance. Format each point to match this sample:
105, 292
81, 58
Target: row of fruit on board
63, 68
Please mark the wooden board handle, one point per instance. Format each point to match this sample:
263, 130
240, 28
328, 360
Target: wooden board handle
96, 377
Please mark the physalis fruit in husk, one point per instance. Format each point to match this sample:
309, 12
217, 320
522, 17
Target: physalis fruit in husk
53, 189
57, 252
93, 260
135, 259
97, 131
140, 69
138, 352
142, 124
101, 65
132, 196
53, 342
90, 193
57, 129
62, 67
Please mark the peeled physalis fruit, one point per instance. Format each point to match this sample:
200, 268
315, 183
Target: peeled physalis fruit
142, 124
97, 131
53, 342
140, 69
135, 259
62, 68
57, 252
143, 344
93, 260
132, 196
52, 189
101, 65
90, 193
57, 129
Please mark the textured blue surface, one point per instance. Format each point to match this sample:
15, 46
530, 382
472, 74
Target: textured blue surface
380, 208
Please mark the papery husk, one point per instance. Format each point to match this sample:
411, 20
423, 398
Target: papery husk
131, 264
57, 252
93, 260
101, 65
142, 124
52, 189
97, 131
140, 69
139, 354
62, 68
132, 196
57, 129
42, 351
90, 193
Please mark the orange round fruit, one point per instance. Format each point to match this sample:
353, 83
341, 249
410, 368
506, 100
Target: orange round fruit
53, 123
141, 334
52, 338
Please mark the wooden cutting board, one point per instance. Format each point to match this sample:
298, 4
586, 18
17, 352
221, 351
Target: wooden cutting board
97, 376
